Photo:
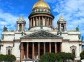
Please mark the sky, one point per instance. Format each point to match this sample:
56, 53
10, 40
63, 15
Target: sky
71, 10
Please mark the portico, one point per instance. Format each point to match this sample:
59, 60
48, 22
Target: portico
33, 46
33, 50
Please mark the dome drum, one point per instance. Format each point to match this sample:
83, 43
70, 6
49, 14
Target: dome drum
41, 10
40, 20
41, 14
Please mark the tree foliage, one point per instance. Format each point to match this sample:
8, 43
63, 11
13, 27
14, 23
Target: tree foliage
60, 57
48, 57
1, 57
82, 55
9, 58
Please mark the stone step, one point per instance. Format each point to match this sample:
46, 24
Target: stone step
17, 61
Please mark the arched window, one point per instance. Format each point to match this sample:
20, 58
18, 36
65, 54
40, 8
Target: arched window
44, 10
73, 50
40, 10
37, 10
20, 27
62, 27
9, 50
34, 10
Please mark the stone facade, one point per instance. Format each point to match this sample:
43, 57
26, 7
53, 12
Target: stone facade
41, 37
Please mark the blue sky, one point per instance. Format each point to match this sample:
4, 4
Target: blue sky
72, 10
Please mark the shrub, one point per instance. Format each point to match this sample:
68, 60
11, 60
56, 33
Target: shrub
8, 58
2, 57
59, 57
82, 55
48, 57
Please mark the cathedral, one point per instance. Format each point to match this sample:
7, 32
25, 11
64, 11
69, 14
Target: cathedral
41, 37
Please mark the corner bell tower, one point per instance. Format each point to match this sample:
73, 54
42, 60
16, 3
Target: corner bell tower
21, 24
41, 15
61, 24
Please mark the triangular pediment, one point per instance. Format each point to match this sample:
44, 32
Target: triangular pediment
41, 34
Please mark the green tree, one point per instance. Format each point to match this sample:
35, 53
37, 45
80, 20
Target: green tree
7, 58
69, 56
10, 58
51, 57
82, 55
62, 56
48, 57
2, 57
59, 57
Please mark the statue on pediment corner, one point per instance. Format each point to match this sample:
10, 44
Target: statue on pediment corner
5, 28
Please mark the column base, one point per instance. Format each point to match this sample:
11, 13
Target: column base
30, 60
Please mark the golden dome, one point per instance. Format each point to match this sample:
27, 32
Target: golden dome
41, 4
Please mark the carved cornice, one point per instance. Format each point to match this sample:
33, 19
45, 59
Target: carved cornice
41, 14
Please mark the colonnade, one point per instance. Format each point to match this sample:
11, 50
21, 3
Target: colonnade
40, 21
35, 50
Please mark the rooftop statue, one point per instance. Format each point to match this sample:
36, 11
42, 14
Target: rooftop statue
5, 28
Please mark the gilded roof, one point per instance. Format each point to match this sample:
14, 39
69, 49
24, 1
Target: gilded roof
41, 4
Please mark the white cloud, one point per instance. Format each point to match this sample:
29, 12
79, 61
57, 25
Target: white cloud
72, 10
9, 20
